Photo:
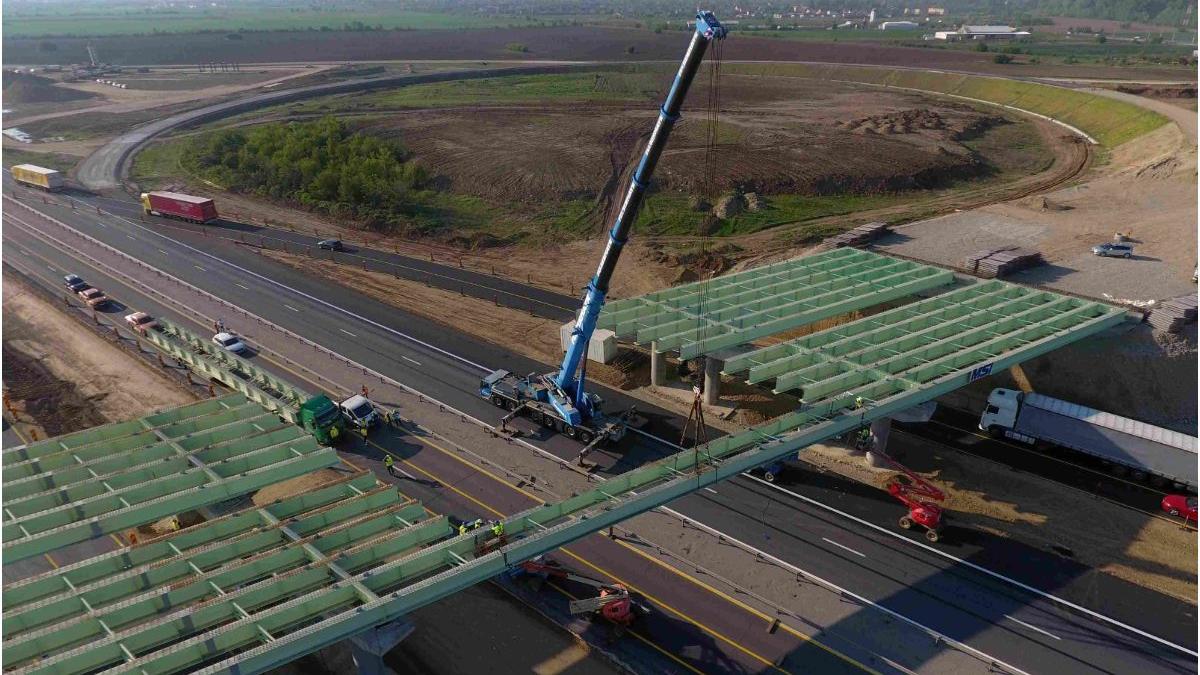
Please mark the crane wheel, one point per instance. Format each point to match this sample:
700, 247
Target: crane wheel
769, 476
933, 536
570, 431
906, 523
585, 437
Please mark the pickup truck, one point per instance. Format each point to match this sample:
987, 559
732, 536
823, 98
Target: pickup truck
94, 297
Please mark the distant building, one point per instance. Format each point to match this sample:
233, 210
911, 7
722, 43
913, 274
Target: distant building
899, 25
935, 11
981, 33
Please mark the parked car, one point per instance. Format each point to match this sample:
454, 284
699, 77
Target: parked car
75, 283
1180, 505
230, 343
331, 244
141, 322
94, 297
1113, 250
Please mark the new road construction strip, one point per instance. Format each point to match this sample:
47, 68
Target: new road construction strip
938, 617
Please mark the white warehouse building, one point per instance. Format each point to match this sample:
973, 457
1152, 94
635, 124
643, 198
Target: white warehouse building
899, 25
981, 33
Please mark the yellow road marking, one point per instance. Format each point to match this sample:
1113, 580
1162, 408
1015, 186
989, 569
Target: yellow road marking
569, 656
650, 597
636, 634
52, 563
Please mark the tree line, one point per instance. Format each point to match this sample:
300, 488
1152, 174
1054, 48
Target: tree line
322, 165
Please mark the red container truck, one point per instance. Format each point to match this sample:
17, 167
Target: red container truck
178, 205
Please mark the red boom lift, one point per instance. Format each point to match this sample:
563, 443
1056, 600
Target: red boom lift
918, 494
613, 604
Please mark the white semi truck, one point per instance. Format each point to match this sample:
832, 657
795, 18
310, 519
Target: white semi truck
1143, 449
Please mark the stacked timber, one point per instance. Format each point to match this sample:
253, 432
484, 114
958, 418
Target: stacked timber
994, 263
1172, 315
859, 236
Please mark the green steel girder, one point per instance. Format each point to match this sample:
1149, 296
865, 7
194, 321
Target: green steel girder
687, 294
881, 321
112, 516
162, 549
77, 470
912, 283
111, 437
264, 379
55, 508
797, 282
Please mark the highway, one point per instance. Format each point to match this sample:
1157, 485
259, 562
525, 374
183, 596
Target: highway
992, 616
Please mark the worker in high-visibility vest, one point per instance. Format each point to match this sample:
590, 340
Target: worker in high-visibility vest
389, 464
859, 402
462, 528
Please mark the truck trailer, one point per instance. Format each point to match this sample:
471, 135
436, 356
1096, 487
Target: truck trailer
38, 177
180, 206
1145, 450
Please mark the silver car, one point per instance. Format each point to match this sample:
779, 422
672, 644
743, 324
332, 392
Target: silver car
1113, 250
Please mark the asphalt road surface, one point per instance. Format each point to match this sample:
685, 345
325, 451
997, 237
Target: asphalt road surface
993, 616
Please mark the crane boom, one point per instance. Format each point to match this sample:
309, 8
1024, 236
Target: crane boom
708, 29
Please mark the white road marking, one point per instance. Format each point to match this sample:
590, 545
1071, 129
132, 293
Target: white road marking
347, 332
241, 286
843, 547
200, 268
163, 252
101, 224
410, 360
708, 489
51, 268
330, 305
979, 568
1032, 627
131, 237
292, 308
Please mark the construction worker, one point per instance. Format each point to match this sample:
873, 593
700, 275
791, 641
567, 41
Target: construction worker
859, 403
389, 464
364, 391
462, 528
497, 528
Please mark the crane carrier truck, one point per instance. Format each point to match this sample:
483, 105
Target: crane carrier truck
560, 400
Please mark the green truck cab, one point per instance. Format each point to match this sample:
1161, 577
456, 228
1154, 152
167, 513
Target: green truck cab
321, 418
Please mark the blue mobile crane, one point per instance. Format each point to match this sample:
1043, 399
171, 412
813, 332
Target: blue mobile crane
559, 400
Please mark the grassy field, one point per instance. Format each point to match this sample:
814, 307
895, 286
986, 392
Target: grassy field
50, 160
1109, 121
136, 20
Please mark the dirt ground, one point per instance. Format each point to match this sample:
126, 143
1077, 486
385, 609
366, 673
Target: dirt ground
67, 378
298, 485
1146, 190
1148, 551
111, 100
777, 135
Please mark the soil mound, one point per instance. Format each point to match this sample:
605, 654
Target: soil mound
27, 88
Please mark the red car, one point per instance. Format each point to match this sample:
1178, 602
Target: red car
1180, 505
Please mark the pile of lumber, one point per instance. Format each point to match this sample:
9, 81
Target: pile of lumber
859, 236
1172, 315
994, 263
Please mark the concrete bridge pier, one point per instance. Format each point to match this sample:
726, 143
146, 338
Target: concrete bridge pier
658, 366
880, 430
369, 647
712, 380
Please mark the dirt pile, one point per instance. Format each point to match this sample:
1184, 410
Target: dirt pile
27, 88
1163, 91
915, 120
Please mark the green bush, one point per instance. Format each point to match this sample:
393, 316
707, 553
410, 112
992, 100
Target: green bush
516, 47
1002, 58
322, 165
